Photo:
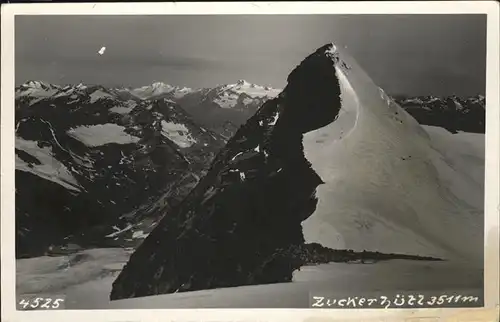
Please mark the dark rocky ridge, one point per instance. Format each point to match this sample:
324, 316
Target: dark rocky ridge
240, 223
314, 253
452, 113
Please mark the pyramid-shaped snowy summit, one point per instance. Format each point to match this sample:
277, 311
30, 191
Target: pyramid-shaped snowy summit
254, 218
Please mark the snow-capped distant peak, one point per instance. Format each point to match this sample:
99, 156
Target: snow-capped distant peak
155, 88
254, 90
228, 96
242, 82
70, 90
37, 90
159, 88
36, 84
161, 85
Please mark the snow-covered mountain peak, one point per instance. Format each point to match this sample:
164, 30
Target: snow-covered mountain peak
37, 84
36, 90
381, 155
162, 86
155, 88
332, 52
241, 94
242, 82
253, 90
81, 86
159, 88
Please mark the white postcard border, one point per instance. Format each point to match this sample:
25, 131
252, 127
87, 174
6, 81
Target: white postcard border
492, 181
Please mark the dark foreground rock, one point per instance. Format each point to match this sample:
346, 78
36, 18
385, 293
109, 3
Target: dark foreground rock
250, 204
241, 225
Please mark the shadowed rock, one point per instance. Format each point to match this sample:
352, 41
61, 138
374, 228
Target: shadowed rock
250, 204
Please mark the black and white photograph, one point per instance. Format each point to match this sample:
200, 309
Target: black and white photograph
249, 161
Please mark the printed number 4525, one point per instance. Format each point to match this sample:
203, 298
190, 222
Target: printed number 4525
42, 303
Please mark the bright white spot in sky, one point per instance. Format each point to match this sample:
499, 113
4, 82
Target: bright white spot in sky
101, 51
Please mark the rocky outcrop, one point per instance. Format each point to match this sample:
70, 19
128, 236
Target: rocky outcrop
259, 189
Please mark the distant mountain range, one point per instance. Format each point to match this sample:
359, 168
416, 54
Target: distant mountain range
452, 113
226, 107
96, 165
93, 164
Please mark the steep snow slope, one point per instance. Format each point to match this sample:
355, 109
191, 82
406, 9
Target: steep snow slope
330, 161
43, 164
388, 184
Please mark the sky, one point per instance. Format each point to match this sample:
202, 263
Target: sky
404, 54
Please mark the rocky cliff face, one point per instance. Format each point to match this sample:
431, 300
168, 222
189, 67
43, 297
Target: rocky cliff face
243, 224
232, 226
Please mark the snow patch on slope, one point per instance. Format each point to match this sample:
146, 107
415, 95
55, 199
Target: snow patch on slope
181, 92
49, 168
119, 231
129, 106
227, 100
101, 134
177, 133
390, 186
139, 234
97, 95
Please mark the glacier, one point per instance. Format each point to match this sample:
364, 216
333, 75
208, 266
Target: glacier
48, 166
101, 134
390, 184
